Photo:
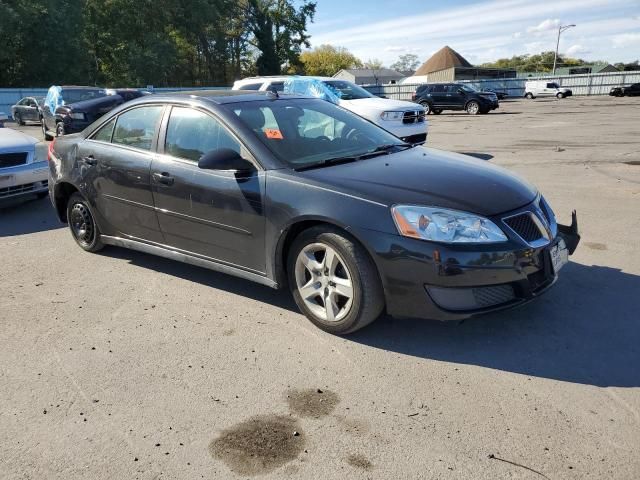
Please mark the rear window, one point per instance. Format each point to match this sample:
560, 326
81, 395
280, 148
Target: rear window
78, 94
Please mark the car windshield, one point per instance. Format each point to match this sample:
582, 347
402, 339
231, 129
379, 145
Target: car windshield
304, 133
348, 90
468, 88
74, 95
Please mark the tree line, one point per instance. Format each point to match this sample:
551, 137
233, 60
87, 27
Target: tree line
543, 62
149, 42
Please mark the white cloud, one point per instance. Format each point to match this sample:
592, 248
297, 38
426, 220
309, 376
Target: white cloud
545, 25
517, 35
626, 40
577, 49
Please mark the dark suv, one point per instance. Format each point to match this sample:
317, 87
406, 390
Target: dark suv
437, 97
72, 109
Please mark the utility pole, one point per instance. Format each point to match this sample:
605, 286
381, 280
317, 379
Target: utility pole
561, 29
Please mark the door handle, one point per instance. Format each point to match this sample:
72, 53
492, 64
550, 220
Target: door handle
163, 178
90, 160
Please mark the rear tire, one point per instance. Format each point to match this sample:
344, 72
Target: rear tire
82, 224
427, 107
529, 95
333, 280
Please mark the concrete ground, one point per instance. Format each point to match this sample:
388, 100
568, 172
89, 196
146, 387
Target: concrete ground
121, 365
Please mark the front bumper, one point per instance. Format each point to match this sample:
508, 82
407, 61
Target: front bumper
23, 179
448, 282
411, 132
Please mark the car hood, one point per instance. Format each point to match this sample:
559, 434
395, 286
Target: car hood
426, 176
14, 140
107, 103
379, 104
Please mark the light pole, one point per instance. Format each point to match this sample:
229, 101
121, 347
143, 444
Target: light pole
561, 29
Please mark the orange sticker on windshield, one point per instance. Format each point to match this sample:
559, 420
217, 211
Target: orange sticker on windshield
273, 133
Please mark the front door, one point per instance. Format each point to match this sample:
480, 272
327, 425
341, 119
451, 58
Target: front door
117, 162
456, 98
215, 214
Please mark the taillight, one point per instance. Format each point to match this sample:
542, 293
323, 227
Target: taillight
414, 95
50, 151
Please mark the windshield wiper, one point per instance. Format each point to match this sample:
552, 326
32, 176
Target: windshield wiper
380, 150
327, 162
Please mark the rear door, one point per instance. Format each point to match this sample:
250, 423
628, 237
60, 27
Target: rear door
211, 213
438, 95
116, 162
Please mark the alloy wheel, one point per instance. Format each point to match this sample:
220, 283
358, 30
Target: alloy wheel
473, 108
324, 282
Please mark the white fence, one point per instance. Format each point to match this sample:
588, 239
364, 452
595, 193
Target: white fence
587, 84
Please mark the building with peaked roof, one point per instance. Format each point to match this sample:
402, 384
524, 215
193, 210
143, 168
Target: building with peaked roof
601, 67
447, 65
369, 76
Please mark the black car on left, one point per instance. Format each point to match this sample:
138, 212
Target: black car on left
27, 109
72, 109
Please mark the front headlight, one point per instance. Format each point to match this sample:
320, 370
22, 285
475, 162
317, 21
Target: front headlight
393, 116
77, 116
444, 225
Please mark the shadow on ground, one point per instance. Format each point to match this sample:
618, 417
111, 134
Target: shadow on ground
27, 214
584, 330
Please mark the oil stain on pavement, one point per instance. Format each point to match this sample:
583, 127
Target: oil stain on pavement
359, 461
260, 444
312, 403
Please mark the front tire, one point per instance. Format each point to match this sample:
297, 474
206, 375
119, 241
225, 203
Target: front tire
473, 107
47, 137
427, 107
83, 226
559, 95
18, 119
333, 280
59, 129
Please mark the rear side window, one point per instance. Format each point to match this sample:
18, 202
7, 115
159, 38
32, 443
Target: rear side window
137, 127
191, 134
251, 86
437, 89
104, 134
277, 86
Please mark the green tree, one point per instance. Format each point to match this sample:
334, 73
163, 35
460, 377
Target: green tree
406, 63
628, 67
327, 60
373, 64
278, 32
541, 62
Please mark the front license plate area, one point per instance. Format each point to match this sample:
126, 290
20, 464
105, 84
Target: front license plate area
6, 181
559, 256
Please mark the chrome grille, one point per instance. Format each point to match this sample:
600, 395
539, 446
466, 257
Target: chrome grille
7, 191
415, 116
524, 226
12, 159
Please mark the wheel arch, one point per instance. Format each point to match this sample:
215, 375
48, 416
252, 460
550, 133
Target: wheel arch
61, 194
297, 226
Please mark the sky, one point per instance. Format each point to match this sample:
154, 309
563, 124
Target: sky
481, 31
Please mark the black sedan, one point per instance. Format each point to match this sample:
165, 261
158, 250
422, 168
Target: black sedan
630, 91
288, 190
28, 109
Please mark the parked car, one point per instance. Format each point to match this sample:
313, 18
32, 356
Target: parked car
437, 97
21, 173
27, 109
499, 94
630, 91
544, 88
354, 221
60, 112
400, 118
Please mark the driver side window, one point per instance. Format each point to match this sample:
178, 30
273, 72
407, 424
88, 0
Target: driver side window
315, 124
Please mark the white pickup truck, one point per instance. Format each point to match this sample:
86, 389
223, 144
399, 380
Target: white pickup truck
405, 120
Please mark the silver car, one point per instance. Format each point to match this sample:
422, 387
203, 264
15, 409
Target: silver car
21, 172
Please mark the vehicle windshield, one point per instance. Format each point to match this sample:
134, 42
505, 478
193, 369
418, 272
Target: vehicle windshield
307, 132
348, 90
74, 95
468, 88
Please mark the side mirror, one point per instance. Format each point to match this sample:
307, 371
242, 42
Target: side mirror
224, 159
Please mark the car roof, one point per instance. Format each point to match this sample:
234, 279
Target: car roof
226, 96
